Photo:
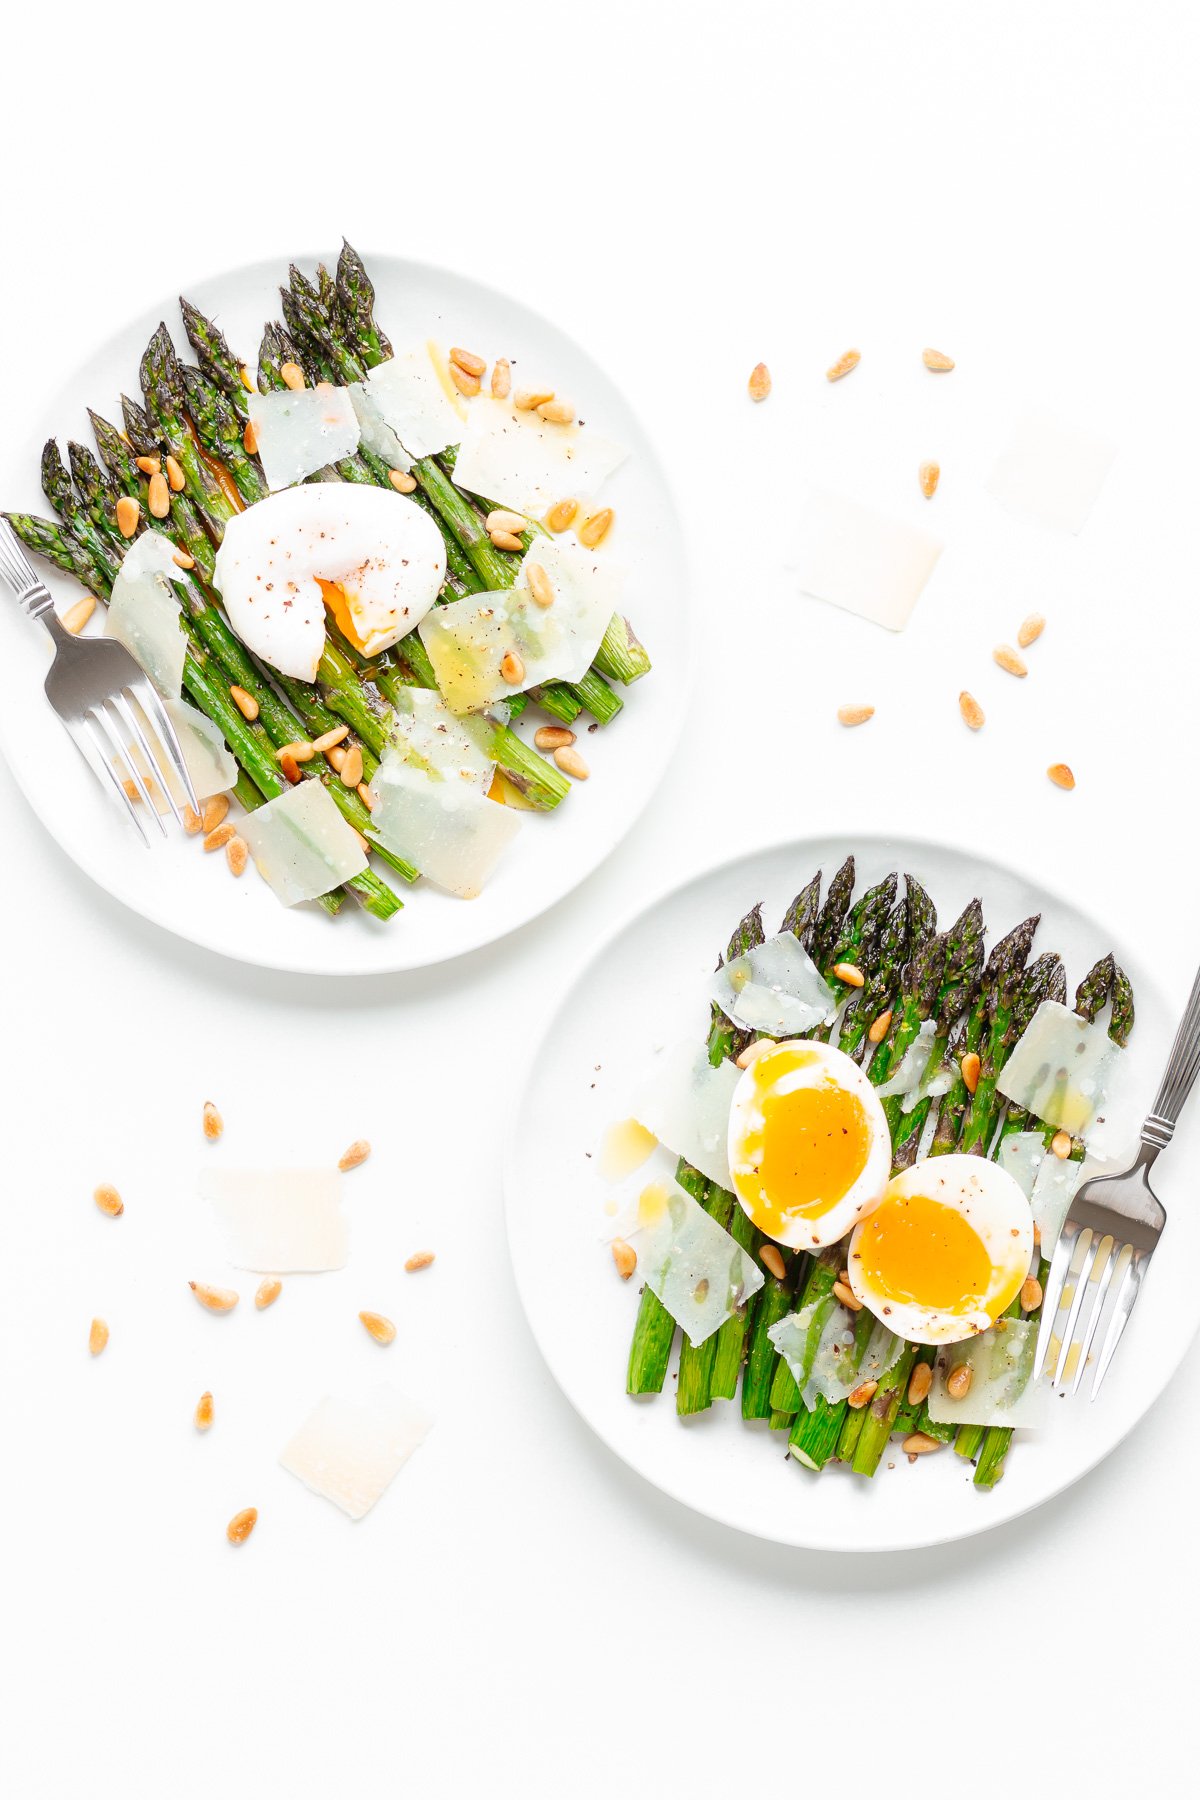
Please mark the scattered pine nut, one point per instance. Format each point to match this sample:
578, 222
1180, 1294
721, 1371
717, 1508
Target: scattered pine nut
467, 361
540, 586
936, 360
501, 378
364, 844
214, 1299
855, 715
301, 751
423, 1259
243, 1523
214, 811
501, 520
247, 379
847, 1296
323, 744
859, 1396
77, 616
133, 791
958, 1382
557, 412
357, 1154
267, 1292
108, 1200
217, 840
759, 384
246, 704
929, 474
149, 465
1060, 774
625, 1257
213, 1123
192, 822
351, 771
250, 438
529, 399
158, 497
879, 1027
752, 1052
182, 558
129, 515
381, 1329
843, 365
971, 710
505, 540
1031, 1294
1060, 1145
561, 514
595, 529
917, 1444
571, 763
337, 757
291, 375
97, 1336
202, 1418
366, 796
553, 737
512, 668
467, 385
1032, 627
237, 855
1008, 660
920, 1383
290, 767
402, 481
176, 479
850, 973
772, 1260
969, 1069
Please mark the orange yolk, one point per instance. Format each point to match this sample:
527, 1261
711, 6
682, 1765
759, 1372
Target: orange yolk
812, 1146
335, 599
915, 1251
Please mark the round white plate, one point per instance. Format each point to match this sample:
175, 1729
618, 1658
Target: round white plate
642, 989
176, 885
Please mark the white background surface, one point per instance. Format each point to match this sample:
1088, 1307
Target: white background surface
686, 190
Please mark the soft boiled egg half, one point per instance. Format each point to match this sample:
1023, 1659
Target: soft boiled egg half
809, 1148
946, 1250
373, 557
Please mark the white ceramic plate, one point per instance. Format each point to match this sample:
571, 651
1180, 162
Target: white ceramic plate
176, 885
642, 989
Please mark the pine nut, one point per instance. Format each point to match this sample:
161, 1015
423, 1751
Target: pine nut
849, 360
937, 361
571, 763
561, 514
214, 811
246, 704
351, 771
300, 752
364, 844
500, 520
366, 796
149, 465
290, 767
291, 375
625, 1258
466, 384
237, 855
242, 1523
176, 479
855, 715
192, 822
972, 712
1031, 629
771, 1259
850, 973
847, 1296
267, 1292
77, 616
1008, 660
1061, 776
214, 1299
879, 1028
133, 790
752, 1052
969, 1069
247, 379
467, 361
529, 399
512, 668
355, 1156
402, 481
958, 1382
917, 1444
539, 584
1060, 1145
557, 412
506, 540
920, 1382
929, 474
323, 744
381, 1329
213, 1123
250, 439
97, 1336
217, 840
202, 1418
336, 758
1031, 1294
552, 737
129, 515
595, 529
423, 1259
501, 378
108, 1200
759, 384
182, 558
859, 1396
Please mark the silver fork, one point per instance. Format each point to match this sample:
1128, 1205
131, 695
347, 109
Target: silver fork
1114, 1224
99, 691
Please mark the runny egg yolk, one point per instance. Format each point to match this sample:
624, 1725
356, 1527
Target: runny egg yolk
915, 1251
810, 1149
335, 599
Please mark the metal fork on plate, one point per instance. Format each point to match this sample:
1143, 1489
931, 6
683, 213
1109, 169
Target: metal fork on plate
1110, 1234
105, 700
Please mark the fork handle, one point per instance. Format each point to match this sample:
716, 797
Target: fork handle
1183, 1065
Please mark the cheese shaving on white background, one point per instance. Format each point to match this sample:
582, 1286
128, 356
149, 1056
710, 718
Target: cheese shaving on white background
279, 1221
518, 459
302, 431
684, 1101
301, 844
350, 1450
447, 829
1052, 472
862, 560
414, 396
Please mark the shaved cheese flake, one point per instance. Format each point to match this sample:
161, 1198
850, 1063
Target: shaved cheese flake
699, 1272
519, 459
1061, 1069
300, 431
1052, 472
1021, 1155
417, 400
831, 1350
427, 735
863, 561
1049, 1182
375, 434
915, 1080
1001, 1391
684, 1101
210, 764
349, 1451
448, 829
775, 988
145, 615
279, 1221
301, 845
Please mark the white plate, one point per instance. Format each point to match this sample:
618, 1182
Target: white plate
645, 987
176, 885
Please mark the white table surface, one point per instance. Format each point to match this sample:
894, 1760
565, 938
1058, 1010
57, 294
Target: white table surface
687, 190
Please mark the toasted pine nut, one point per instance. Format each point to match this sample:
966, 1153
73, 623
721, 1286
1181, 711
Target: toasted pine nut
364, 844
929, 474
759, 384
214, 1299
133, 790
1031, 628
624, 1257
267, 1292
351, 771
937, 361
467, 361
859, 1396
557, 412
97, 1336
553, 737
1061, 776
969, 1069
237, 855
128, 515
300, 752
958, 1382
212, 1122
337, 757
512, 668
402, 481
917, 1444
1008, 660
214, 811
291, 375
250, 438
847, 1296
149, 465
855, 715
323, 744
422, 1259
357, 1154
1031, 1294
571, 763
595, 529
366, 796
561, 514
243, 1523
849, 360
108, 1200
850, 973
381, 1329
247, 379
290, 767
501, 378
539, 584
1060, 1145
500, 520
920, 1382
466, 384
182, 558
972, 712
529, 399
246, 704
77, 616
879, 1027
505, 540
202, 1418
176, 479
772, 1260
192, 822
217, 840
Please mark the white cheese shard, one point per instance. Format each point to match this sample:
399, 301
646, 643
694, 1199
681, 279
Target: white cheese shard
914, 1079
145, 615
350, 1450
415, 398
699, 1272
448, 829
1001, 1391
684, 1101
1021, 1155
300, 431
1052, 472
1049, 1182
426, 735
375, 434
210, 764
1061, 1069
519, 460
279, 1221
301, 845
831, 1350
776, 988
864, 561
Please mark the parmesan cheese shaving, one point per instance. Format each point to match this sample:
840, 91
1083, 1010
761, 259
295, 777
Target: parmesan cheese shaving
301, 844
414, 397
145, 615
698, 1271
302, 430
1001, 1391
831, 1350
863, 561
279, 1221
1052, 473
428, 736
349, 1451
684, 1101
448, 829
775, 988
1061, 1069
520, 460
